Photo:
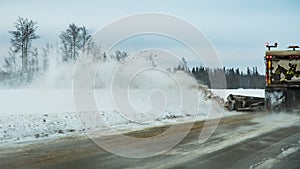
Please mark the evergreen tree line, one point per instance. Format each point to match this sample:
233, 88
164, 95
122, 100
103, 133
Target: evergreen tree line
235, 78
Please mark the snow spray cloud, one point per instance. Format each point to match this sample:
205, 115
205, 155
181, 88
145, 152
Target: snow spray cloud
118, 31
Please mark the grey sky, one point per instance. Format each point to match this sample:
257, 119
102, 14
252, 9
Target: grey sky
237, 29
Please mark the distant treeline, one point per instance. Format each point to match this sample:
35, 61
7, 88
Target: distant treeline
235, 78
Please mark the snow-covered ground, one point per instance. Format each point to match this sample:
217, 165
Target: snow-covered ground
35, 114
28, 114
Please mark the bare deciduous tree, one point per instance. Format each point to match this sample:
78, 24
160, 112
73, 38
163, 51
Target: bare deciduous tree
86, 38
74, 39
22, 37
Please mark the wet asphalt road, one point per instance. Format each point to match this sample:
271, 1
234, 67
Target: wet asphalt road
229, 147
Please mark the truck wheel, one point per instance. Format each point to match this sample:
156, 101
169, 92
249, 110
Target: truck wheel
231, 106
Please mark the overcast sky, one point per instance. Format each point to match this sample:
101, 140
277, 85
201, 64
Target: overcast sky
237, 29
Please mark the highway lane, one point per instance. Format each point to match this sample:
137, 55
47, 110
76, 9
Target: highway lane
259, 152
237, 143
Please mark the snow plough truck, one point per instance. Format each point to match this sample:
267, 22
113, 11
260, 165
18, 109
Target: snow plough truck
282, 91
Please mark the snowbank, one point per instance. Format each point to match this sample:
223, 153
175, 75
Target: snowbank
23, 126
